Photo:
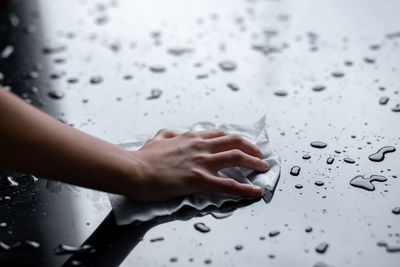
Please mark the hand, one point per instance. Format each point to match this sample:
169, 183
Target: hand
172, 165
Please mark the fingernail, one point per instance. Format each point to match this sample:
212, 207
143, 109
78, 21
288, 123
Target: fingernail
256, 187
265, 165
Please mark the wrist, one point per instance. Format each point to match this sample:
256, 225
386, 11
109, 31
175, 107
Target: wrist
130, 171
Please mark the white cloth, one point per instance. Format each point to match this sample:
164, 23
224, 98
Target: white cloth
127, 210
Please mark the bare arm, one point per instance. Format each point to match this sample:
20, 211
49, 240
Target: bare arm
167, 166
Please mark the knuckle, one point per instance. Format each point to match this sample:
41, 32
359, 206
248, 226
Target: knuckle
230, 183
198, 143
200, 158
195, 173
188, 134
220, 132
236, 155
237, 139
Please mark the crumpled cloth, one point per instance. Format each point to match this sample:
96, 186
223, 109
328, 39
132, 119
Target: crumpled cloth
127, 210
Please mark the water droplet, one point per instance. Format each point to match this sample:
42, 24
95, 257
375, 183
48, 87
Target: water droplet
201, 227
218, 215
156, 239
14, 20
59, 60
348, 63
102, 19
318, 144
173, 259
319, 183
96, 79
25, 244
349, 160
32, 75
266, 49
115, 47
207, 261
76, 263
239, 247
7, 51
65, 249
202, 76
56, 94
389, 248
369, 60
4, 246
337, 74
128, 77
383, 100
381, 244
281, 93
155, 93
11, 182
396, 108
396, 210
321, 264
298, 186
319, 88
295, 170
322, 247
330, 160
233, 87
52, 50
179, 51
32, 244
227, 65
366, 183
393, 35
309, 229
380, 154
306, 156
393, 248
374, 46
157, 69
72, 80
56, 75
274, 233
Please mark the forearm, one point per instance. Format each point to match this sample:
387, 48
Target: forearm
33, 142
167, 166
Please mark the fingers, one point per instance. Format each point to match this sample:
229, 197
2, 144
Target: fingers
219, 141
236, 158
230, 186
232, 141
210, 134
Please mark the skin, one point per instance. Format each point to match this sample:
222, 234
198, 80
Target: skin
167, 166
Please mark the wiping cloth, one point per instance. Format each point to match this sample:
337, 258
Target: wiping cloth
127, 210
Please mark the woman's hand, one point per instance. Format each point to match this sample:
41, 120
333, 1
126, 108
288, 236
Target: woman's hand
171, 165
167, 166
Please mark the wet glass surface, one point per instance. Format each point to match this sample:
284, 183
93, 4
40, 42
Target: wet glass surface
116, 69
